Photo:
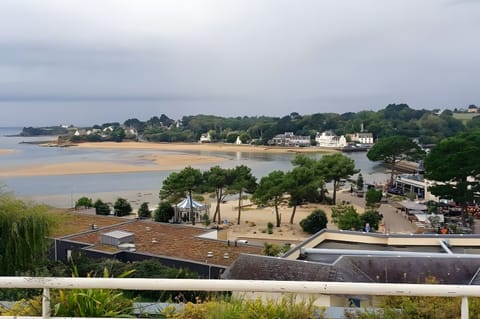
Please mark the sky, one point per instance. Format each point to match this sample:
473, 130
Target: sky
86, 62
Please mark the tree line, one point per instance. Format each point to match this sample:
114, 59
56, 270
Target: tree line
428, 126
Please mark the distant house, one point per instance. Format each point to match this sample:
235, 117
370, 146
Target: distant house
290, 139
80, 132
330, 139
362, 138
238, 141
472, 109
205, 138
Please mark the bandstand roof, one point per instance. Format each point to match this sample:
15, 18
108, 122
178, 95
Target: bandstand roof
185, 204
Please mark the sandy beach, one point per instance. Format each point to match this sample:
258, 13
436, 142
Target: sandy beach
154, 162
253, 222
210, 147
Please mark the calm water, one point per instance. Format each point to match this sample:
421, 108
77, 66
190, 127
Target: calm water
28, 154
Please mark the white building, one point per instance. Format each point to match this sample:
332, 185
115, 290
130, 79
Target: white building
362, 138
290, 139
329, 139
205, 138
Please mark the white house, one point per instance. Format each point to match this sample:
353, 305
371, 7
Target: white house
238, 141
290, 139
205, 138
329, 139
362, 137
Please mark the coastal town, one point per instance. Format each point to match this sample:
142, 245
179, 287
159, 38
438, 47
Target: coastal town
239, 159
369, 227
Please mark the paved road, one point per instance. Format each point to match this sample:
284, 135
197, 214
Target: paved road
395, 222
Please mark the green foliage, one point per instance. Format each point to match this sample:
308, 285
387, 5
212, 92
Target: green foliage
176, 185
286, 308
244, 181
206, 219
122, 207
84, 202
314, 222
372, 218
302, 183
270, 249
144, 211
271, 191
164, 212
101, 208
393, 149
23, 235
360, 182
452, 162
394, 119
373, 197
218, 179
347, 217
334, 167
93, 303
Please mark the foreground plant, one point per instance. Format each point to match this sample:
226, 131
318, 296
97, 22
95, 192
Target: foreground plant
285, 308
78, 303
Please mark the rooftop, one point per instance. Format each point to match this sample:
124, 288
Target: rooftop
172, 240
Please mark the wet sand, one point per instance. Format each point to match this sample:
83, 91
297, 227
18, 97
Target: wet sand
210, 147
155, 162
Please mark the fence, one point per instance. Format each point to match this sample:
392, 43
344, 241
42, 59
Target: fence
326, 288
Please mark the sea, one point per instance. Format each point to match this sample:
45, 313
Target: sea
61, 190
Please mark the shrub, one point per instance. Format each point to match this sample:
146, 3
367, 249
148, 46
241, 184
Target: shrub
314, 222
286, 308
373, 197
144, 211
101, 208
84, 202
164, 212
122, 207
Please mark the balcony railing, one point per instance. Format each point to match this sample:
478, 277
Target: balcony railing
303, 287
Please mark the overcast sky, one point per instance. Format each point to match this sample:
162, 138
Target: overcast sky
89, 62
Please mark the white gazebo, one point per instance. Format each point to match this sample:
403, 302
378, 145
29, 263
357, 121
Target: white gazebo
182, 210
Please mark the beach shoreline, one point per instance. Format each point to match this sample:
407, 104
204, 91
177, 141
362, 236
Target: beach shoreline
210, 147
152, 162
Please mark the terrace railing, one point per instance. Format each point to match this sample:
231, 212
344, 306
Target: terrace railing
303, 287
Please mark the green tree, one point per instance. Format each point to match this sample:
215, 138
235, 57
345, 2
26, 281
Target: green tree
393, 149
336, 167
244, 181
101, 208
23, 235
373, 197
177, 185
314, 222
144, 211
164, 212
301, 183
122, 207
360, 182
347, 217
118, 134
218, 179
372, 218
453, 165
84, 202
271, 191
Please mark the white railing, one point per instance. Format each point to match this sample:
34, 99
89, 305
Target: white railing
314, 287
